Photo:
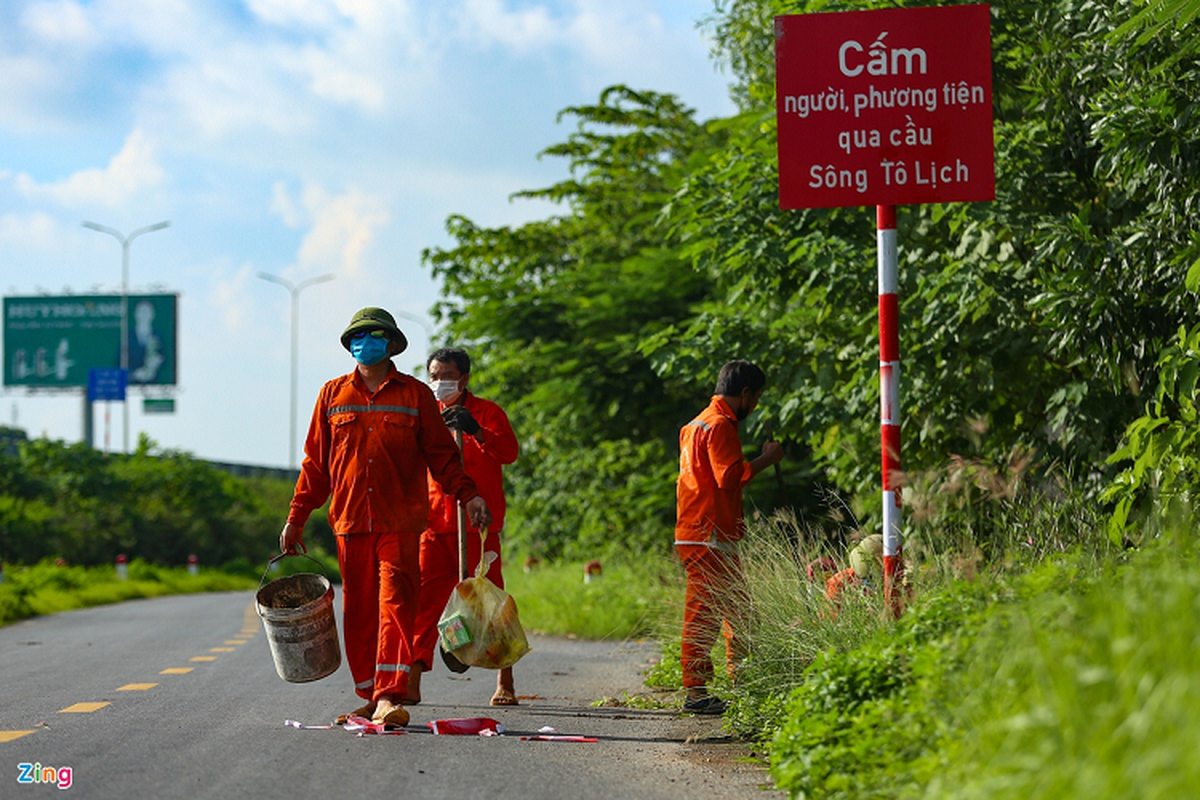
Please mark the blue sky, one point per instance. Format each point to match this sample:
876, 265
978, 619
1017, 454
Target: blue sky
297, 138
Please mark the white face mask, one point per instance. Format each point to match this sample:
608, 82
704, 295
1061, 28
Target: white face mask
445, 391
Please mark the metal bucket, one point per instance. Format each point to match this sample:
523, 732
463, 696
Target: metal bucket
297, 615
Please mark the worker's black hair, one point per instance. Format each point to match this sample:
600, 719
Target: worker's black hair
455, 354
738, 375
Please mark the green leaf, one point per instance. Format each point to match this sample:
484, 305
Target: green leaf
1193, 277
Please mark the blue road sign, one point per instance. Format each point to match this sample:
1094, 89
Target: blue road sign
106, 383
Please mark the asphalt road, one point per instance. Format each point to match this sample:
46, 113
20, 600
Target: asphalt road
178, 697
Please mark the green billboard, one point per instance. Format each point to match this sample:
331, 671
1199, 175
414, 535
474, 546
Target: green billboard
52, 342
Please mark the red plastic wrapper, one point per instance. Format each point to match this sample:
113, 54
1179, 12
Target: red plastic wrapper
478, 726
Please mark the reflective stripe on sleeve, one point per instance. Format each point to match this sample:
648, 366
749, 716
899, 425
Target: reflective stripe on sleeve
363, 409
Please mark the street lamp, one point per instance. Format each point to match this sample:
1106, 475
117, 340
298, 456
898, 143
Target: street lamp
295, 289
424, 323
125, 241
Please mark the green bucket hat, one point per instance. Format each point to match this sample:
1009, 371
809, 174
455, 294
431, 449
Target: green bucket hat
371, 319
867, 556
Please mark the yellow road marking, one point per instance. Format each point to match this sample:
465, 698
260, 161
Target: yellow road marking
235, 641
203, 658
83, 708
220, 649
137, 687
176, 670
8, 736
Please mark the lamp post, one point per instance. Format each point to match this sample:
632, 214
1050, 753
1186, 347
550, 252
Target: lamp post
125, 241
295, 289
424, 323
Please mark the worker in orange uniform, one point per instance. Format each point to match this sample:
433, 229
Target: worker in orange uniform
488, 444
709, 524
375, 436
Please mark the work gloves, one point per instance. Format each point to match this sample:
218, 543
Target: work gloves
459, 417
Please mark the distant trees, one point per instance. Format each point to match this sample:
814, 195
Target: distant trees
72, 502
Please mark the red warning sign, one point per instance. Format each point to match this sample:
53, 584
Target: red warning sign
886, 107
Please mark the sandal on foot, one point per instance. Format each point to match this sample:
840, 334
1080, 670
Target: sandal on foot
503, 697
398, 717
363, 711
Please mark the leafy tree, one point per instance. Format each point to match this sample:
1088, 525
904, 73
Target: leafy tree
553, 312
1161, 456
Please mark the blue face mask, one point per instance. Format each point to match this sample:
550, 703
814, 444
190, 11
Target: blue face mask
368, 350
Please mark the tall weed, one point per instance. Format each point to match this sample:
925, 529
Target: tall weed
1069, 674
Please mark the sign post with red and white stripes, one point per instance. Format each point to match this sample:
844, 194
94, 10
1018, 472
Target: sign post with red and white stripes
889, 404
886, 108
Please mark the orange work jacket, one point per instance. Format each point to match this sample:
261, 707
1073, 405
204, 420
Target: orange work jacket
839, 582
484, 462
712, 472
370, 455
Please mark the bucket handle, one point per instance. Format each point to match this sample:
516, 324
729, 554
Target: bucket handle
302, 552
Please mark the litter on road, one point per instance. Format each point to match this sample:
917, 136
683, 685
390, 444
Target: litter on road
482, 726
354, 724
548, 734
468, 726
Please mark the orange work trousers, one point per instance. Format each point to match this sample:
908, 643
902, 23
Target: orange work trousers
439, 576
714, 601
381, 589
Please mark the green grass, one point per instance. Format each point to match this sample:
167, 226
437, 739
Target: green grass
627, 601
47, 588
1088, 687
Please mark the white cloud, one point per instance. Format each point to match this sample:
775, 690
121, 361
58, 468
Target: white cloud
612, 39
130, 172
322, 15
160, 27
341, 227
28, 231
522, 30
332, 80
254, 91
314, 14
230, 296
284, 206
59, 23
235, 93
26, 83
